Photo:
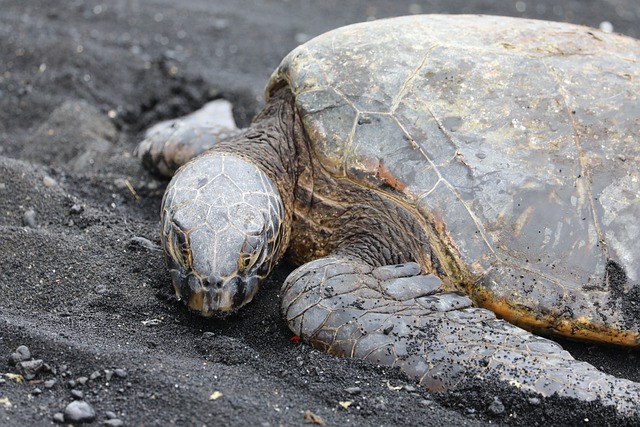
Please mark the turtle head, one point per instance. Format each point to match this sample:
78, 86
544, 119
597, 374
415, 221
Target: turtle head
222, 218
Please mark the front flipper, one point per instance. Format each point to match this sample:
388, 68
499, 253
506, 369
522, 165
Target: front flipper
170, 144
393, 316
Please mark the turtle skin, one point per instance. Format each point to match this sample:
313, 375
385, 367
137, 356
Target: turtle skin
428, 173
515, 141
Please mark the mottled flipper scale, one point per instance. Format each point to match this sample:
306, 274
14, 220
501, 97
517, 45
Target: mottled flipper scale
393, 316
170, 144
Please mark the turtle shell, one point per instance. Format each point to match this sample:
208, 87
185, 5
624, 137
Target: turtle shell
521, 138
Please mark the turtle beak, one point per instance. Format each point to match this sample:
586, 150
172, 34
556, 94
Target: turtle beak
213, 296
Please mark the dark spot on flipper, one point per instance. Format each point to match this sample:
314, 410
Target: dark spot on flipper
445, 302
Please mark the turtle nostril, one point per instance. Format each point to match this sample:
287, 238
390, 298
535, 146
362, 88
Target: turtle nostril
215, 282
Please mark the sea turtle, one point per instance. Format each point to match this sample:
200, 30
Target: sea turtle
428, 173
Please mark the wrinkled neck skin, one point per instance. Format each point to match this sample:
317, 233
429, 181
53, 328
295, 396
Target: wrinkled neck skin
270, 144
325, 214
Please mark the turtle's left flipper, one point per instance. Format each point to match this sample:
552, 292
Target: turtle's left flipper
172, 143
393, 316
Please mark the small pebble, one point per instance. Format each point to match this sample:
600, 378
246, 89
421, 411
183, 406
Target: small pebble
120, 373
71, 383
24, 351
2, 381
534, 401
29, 219
76, 209
353, 390
21, 354
49, 383
409, 388
426, 402
110, 414
77, 394
79, 411
606, 27
48, 182
94, 375
36, 391
312, 418
496, 407
82, 380
58, 417
107, 374
30, 368
114, 422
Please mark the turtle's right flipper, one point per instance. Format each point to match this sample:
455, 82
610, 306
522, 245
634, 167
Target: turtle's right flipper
395, 317
170, 144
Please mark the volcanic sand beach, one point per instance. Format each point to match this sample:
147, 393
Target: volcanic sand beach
82, 280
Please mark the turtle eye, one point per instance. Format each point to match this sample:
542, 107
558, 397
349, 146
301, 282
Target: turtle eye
179, 247
247, 257
244, 259
244, 262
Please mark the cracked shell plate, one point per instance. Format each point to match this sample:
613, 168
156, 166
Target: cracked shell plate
520, 139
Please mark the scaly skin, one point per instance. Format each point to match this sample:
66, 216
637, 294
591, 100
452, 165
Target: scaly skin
393, 317
402, 157
390, 315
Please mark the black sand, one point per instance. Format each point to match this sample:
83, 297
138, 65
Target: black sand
80, 282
